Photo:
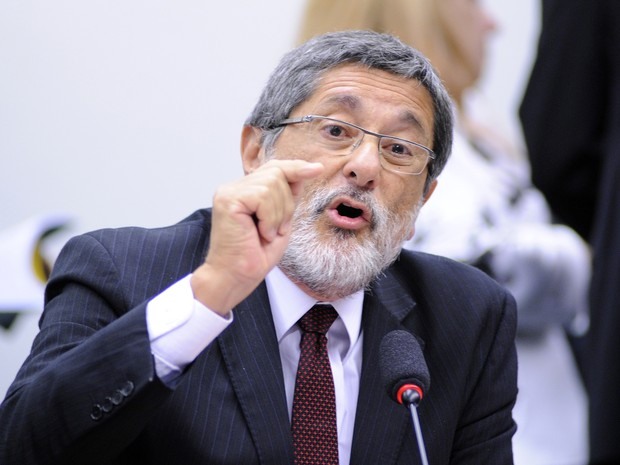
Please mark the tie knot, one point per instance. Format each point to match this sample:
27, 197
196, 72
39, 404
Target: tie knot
318, 319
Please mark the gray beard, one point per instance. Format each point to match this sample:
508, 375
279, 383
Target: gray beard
339, 264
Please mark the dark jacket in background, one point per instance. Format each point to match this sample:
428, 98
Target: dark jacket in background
571, 122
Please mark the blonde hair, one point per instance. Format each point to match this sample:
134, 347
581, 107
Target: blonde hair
415, 22
419, 23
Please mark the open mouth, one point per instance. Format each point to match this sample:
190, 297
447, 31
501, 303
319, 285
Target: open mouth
348, 211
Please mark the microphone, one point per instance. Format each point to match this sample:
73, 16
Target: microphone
405, 376
403, 368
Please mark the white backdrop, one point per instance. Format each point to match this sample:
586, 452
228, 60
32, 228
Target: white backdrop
129, 113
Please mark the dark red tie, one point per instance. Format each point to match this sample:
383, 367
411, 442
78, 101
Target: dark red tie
315, 436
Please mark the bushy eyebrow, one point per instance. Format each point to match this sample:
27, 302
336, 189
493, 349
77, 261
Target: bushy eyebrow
412, 118
350, 101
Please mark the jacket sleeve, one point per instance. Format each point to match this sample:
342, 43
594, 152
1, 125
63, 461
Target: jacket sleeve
88, 386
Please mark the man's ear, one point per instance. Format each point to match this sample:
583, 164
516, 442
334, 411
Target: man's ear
429, 192
252, 155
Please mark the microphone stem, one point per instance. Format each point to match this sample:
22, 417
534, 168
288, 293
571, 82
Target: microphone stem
418, 433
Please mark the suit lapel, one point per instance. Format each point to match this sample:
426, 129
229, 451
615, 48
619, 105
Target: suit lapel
252, 357
380, 424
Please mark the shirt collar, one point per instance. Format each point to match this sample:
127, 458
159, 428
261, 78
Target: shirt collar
289, 303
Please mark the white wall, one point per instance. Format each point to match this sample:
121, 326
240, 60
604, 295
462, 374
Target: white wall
511, 52
124, 113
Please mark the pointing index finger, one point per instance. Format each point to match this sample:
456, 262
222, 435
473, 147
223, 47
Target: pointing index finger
297, 171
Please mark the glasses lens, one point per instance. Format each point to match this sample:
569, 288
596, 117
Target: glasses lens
338, 137
341, 138
403, 156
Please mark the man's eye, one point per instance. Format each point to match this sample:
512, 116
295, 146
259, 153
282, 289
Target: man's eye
400, 150
335, 131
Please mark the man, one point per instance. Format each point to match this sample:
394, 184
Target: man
151, 353
571, 122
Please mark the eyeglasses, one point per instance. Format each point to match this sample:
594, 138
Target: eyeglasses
340, 138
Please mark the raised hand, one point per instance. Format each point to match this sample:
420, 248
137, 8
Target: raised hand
250, 231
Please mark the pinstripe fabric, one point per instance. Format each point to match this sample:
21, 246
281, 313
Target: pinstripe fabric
229, 407
465, 326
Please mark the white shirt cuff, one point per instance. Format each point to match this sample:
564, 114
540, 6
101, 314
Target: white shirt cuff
180, 328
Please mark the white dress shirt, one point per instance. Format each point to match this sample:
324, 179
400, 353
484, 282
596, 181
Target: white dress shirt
180, 327
344, 347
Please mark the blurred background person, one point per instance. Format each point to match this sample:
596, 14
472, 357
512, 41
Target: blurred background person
486, 212
571, 122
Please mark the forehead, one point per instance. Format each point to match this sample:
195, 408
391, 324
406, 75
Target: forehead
372, 97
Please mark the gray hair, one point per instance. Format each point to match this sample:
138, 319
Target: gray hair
297, 75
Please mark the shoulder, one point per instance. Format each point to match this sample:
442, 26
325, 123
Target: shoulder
440, 285
435, 270
197, 223
457, 304
174, 250
134, 239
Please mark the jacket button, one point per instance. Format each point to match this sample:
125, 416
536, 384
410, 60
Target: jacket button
96, 413
127, 389
117, 397
107, 405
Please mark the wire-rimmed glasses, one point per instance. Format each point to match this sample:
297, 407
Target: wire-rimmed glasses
341, 138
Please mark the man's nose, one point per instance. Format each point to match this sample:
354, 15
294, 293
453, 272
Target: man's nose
363, 166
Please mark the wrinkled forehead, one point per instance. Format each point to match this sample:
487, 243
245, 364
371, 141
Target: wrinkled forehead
367, 95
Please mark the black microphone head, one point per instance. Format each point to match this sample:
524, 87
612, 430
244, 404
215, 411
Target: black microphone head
402, 362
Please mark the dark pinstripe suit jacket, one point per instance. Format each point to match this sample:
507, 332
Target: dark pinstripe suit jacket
88, 393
